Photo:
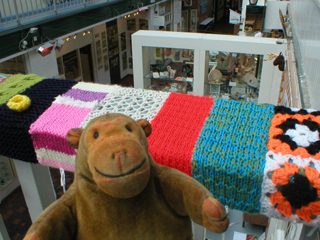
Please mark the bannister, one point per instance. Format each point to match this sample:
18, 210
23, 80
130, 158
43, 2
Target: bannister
15, 13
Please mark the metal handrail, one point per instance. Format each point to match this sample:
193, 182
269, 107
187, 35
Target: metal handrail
14, 13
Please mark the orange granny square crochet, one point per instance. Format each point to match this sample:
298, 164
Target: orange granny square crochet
295, 132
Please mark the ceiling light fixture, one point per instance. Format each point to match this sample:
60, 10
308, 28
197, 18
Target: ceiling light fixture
59, 44
143, 9
44, 51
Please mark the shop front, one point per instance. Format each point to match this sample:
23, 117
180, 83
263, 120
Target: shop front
230, 67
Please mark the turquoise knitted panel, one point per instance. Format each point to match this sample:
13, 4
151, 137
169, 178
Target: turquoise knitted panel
229, 156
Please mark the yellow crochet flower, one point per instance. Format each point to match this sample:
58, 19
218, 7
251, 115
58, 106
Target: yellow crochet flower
19, 103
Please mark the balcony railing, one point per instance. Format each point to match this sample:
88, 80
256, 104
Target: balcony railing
15, 13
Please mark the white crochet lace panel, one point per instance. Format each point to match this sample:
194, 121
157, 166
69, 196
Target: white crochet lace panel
136, 103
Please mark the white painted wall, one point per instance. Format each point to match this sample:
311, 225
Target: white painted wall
122, 27
154, 13
177, 9
74, 44
47, 66
272, 19
101, 76
159, 11
42, 66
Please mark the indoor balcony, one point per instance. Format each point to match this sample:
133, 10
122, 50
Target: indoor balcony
21, 13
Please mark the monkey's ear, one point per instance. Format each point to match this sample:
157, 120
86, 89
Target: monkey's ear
73, 137
146, 126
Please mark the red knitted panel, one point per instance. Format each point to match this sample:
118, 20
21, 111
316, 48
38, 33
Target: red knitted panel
176, 128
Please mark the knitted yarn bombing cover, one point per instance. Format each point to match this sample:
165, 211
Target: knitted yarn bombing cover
291, 185
136, 103
229, 156
176, 128
295, 132
48, 132
291, 188
14, 126
17, 84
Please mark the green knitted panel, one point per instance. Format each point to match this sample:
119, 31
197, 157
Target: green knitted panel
17, 84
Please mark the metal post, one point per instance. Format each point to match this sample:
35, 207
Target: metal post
199, 232
3, 231
55, 7
4, 13
16, 11
36, 185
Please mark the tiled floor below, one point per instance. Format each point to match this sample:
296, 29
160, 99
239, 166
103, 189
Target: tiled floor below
14, 210
15, 214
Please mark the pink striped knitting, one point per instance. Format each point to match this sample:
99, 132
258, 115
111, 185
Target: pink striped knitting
49, 131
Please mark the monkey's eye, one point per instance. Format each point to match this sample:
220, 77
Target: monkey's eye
128, 128
96, 135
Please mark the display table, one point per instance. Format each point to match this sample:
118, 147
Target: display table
252, 157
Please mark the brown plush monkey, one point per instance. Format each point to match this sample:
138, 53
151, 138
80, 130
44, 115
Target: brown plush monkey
120, 193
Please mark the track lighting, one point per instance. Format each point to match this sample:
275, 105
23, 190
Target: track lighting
44, 51
59, 44
143, 9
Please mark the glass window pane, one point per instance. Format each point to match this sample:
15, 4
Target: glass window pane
171, 70
233, 75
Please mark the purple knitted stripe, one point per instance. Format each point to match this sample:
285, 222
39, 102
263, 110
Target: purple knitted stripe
85, 96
